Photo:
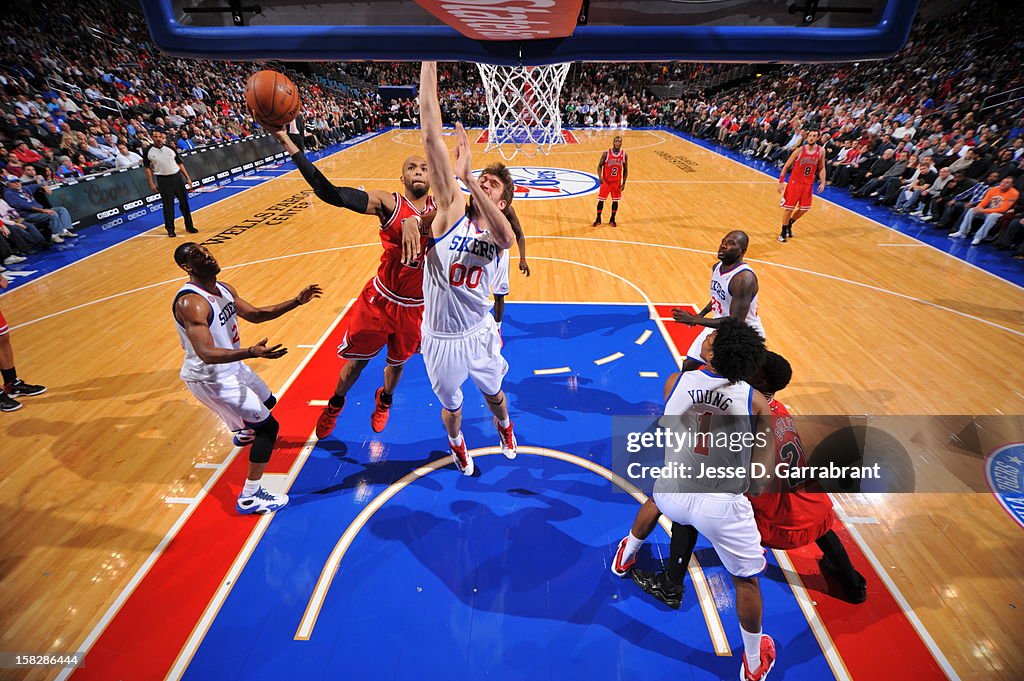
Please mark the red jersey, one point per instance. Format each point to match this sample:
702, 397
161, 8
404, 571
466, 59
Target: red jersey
793, 518
805, 169
613, 164
402, 284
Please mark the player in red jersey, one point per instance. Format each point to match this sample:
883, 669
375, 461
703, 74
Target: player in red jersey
389, 310
612, 169
11, 386
807, 162
787, 520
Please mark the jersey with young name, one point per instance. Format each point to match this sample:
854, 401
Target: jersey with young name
223, 321
461, 268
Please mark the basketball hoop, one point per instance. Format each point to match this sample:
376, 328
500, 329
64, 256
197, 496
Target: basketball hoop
523, 108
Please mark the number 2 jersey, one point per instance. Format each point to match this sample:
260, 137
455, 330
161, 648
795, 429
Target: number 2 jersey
613, 163
461, 267
223, 322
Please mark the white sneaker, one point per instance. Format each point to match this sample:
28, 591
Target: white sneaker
957, 235
918, 213
55, 238
620, 568
261, 502
68, 235
507, 440
461, 457
14, 259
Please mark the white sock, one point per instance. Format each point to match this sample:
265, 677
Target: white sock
457, 440
752, 649
632, 546
499, 326
504, 423
250, 488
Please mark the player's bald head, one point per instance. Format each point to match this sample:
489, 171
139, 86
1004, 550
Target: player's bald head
741, 238
414, 160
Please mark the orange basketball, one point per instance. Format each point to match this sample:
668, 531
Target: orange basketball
272, 97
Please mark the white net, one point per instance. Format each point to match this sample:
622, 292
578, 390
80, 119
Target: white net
523, 108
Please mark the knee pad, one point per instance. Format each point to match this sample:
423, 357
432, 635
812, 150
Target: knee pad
265, 434
495, 400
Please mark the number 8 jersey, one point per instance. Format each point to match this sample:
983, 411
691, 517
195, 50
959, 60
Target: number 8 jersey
461, 267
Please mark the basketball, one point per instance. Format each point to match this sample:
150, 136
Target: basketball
272, 97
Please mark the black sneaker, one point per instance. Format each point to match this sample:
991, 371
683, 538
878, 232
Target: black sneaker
22, 389
8, 404
596, 222
611, 223
856, 591
192, 230
789, 231
660, 586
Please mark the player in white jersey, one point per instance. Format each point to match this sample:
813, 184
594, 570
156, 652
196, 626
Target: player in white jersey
460, 337
206, 313
717, 403
733, 294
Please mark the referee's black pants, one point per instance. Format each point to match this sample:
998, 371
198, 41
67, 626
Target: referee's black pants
173, 187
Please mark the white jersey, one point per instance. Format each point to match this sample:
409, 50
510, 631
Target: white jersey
461, 269
702, 404
223, 327
721, 296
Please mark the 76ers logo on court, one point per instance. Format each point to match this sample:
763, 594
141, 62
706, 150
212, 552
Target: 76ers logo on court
549, 183
1004, 470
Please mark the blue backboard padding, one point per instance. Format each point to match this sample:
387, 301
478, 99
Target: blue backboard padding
588, 43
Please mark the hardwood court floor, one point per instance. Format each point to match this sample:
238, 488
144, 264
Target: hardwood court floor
870, 328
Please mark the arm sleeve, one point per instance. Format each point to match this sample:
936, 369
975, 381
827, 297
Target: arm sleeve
343, 197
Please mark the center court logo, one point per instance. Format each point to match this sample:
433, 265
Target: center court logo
549, 183
1004, 471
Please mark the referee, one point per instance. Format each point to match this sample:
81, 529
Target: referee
171, 176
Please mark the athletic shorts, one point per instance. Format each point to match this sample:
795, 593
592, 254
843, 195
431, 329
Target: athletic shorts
610, 189
499, 286
694, 351
375, 321
726, 520
3, 325
794, 519
237, 399
798, 195
450, 360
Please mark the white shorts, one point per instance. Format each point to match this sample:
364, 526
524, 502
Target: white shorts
727, 520
694, 351
499, 286
450, 360
238, 399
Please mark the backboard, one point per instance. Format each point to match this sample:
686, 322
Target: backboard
531, 32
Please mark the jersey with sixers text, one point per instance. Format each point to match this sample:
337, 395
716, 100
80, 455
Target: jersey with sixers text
401, 283
805, 169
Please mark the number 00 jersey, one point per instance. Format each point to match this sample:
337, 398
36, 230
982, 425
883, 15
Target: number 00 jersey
223, 327
461, 268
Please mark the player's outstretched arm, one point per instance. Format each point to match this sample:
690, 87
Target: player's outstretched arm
373, 202
258, 315
439, 164
488, 214
192, 312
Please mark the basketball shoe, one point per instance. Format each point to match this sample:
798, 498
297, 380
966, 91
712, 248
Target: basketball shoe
463, 461
20, 388
507, 440
767, 661
243, 437
660, 586
381, 411
8, 404
325, 424
261, 502
618, 567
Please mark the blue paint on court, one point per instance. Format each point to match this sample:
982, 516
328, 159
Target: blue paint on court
999, 263
500, 576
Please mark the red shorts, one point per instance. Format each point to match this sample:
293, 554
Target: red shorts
3, 325
798, 194
789, 521
613, 188
375, 321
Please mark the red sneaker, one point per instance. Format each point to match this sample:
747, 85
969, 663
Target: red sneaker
325, 424
767, 661
507, 440
618, 567
463, 461
381, 411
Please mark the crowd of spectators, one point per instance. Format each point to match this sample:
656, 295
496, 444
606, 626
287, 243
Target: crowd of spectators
914, 132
